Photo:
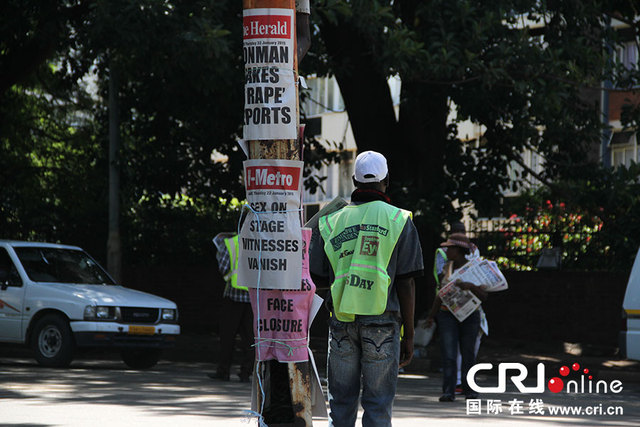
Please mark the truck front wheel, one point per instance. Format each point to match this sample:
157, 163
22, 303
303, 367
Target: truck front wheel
52, 341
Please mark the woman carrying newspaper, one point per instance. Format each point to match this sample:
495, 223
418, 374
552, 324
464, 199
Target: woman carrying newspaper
455, 309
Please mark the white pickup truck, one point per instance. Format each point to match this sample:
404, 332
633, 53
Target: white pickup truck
56, 298
630, 335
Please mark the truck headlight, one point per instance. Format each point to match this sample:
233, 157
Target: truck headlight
99, 312
168, 314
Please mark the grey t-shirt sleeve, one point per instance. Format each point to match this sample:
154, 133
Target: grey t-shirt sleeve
409, 253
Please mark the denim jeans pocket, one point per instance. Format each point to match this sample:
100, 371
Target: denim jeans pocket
379, 340
340, 342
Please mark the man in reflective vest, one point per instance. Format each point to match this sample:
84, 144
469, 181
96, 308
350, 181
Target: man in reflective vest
233, 248
236, 316
370, 253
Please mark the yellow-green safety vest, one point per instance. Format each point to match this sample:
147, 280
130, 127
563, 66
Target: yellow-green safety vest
441, 255
233, 246
359, 241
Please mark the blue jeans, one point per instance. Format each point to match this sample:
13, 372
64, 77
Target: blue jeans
452, 334
367, 349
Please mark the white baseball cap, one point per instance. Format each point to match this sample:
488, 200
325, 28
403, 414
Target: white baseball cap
371, 166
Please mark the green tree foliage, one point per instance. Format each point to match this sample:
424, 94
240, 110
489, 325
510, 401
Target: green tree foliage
614, 197
180, 90
51, 183
180, 79
179, 70
528, 72
593, 220
180, 85
179, 74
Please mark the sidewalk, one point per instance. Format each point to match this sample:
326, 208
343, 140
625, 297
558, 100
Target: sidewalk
178, 393
601, 361
603, 364
419, 387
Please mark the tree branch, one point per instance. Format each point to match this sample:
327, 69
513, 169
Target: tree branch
530, 171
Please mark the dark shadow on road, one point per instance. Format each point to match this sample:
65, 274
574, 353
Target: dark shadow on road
170, 388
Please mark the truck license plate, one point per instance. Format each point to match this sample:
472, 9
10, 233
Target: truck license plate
142, 330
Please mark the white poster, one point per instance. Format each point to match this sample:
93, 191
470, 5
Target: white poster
270, 99
270, 237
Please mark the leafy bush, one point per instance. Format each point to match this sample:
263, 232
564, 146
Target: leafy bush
594, 220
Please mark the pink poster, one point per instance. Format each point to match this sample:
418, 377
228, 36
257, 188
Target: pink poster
281, 317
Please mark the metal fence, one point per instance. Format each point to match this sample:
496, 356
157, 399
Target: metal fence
526, 245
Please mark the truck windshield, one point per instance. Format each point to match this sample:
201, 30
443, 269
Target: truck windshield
61, 266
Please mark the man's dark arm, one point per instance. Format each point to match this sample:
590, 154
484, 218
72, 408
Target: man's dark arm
406, 290
322, 285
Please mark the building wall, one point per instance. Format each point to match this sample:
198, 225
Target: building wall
621, 154
617, 99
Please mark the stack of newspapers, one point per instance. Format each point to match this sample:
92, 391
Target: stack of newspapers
480, 272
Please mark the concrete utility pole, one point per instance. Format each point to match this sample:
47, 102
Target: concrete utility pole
286, 385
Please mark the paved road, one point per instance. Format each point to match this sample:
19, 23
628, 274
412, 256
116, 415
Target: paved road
105, 393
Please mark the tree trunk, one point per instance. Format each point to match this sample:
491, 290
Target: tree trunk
423, 135
114, 249
363, 86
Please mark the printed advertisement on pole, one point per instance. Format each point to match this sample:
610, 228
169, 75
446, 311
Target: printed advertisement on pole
270, 237
270, 81
282, 317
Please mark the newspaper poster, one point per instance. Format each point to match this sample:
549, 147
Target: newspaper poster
460, 303
481, 272
282, 317
288, 346
270, 237
318, 401
281, 323
270, 98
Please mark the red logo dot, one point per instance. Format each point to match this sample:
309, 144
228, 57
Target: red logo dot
575, 366
586, 371
555, 385
564, 371
590, 377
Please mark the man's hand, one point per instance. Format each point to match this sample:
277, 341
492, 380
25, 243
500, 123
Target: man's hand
406, 352
476, 290
407, 297
429, 321
466, 286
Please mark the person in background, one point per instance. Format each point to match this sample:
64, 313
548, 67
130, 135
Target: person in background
438, 264
236, 316
453, 333
370, 253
